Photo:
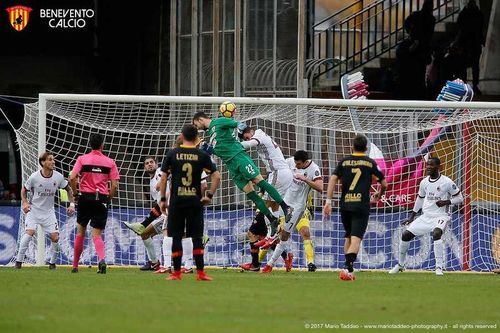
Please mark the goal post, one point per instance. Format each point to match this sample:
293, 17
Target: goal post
402, 134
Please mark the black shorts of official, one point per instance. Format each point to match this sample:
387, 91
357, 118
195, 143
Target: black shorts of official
355, 222
185, 219
93, 211
258, 226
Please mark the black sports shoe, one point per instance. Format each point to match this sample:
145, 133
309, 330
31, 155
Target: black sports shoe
74, 270
288, 214
18, 265
274, 223
147, 267
102, 267
52, 266
311, 267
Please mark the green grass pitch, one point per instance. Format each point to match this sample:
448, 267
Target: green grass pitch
127, 300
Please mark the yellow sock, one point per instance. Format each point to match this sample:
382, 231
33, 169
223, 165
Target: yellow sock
262, 255
309, 250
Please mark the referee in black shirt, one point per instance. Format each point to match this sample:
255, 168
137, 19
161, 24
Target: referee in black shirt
355, 173
185, 207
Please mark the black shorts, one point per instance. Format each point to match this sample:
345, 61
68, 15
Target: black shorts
93, 211
355, 223
185, 219
258, 226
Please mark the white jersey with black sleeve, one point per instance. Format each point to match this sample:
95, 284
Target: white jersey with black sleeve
432, 190
297, 194
269, 152
43, 191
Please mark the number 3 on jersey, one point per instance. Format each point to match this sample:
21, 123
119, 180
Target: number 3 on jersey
188, 169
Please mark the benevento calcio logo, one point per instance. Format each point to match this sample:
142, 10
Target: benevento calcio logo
19, 16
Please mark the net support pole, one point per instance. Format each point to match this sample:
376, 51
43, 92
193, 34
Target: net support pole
42, 132
467, 198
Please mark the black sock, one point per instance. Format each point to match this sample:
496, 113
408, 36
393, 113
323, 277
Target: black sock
153, 215
198, 252
254, 251
177, 252
284, 255
284, 206
350, 258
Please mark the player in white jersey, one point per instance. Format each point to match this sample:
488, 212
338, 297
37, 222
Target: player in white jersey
435, 196
306, 177
39, 209
153, 223
279, 176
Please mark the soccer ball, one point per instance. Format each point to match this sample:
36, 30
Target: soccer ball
227, 109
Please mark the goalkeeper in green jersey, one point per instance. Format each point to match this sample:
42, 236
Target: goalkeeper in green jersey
242, 169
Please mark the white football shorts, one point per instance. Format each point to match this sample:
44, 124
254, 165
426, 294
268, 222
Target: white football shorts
49, 223
423, 225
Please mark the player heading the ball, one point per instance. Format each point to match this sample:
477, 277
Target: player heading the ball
242, 169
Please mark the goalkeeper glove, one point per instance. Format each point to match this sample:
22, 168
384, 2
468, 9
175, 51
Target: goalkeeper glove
240, 128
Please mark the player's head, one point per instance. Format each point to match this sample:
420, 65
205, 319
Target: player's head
433, 165
246, 134
189, 133
96, 141
47, 161
427, 6
360, 143
300, 157
472, 4
201, 120
150, 164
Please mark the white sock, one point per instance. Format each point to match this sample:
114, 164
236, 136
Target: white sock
277, 252
54, 250
439, 253
167, 251
150, 249
187, 252
23, 246
403, 249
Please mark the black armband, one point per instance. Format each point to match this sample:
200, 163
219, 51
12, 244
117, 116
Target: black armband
209, 194
163, 199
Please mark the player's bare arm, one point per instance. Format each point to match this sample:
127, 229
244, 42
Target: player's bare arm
332, 182
71, 208
114, 188
316, 185
163, 192
24, 200
378, 195
73, 180
214, 185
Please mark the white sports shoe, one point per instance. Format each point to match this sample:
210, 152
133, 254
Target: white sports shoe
396, 269
439, 271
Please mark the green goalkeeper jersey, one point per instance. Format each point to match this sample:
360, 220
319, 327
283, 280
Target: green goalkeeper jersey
222, 138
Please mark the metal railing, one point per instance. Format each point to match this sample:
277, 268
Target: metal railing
369, 33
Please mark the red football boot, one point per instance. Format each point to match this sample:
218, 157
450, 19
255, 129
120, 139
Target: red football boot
289, 262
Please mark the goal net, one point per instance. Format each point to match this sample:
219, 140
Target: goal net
402, 134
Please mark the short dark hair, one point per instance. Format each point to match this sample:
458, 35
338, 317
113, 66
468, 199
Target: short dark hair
43, 157
245, 131
200, 114
301, 155
435, 159
360, 143
189, 132
96, 140
149, 157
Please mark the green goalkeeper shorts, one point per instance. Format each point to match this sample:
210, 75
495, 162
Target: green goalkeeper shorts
242, 169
